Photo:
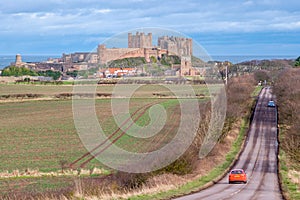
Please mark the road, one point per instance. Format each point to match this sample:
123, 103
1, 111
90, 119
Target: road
258, 159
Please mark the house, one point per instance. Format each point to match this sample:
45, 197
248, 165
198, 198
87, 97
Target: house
118, 72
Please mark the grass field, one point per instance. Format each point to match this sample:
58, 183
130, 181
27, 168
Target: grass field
39, 135
49, 90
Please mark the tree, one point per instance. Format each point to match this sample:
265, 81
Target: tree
261, 75
153, 59
54, 74
297, 62
72, 73
17, 71
27, 79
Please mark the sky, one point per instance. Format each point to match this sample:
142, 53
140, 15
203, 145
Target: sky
231, 27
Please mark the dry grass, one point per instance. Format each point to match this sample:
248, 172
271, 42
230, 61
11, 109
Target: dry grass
295, 177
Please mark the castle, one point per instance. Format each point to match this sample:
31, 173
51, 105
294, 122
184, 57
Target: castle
139, 45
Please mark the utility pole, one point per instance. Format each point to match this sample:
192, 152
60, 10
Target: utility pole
226, 76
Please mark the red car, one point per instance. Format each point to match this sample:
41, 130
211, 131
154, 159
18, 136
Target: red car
237, 175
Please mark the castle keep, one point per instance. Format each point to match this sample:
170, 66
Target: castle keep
139, 40
176, 45
139, 45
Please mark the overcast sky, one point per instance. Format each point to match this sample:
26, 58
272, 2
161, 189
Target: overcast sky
229, 27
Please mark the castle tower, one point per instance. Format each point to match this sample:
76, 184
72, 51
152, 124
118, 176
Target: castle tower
140, 40
186, 66
130, 40
176, 45
102, 53
18, 60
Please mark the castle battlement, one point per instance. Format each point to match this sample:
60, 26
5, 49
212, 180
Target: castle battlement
176, 45
140, 40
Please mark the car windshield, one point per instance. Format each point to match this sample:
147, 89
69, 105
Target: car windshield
271, 103
237, 172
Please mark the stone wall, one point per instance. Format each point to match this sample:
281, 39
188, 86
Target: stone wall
140, 40
176, 45
109, 54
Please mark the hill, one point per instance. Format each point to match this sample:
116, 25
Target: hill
139, 61
270, 64
197, 62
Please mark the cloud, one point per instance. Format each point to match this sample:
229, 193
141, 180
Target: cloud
101, 11
248, 3
287, 25
91, 17
94, 19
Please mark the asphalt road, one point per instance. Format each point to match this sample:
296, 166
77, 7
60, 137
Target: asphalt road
258, 159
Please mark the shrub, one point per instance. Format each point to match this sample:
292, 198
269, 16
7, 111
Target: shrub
297, 62
129, 181
17, 71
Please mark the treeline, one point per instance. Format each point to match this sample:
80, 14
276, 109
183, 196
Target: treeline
287, 90
23, 71
18, 71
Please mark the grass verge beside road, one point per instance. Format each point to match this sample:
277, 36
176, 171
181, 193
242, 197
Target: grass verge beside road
288, 179
289, 188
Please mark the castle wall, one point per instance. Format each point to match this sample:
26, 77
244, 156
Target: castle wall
139, 40
176, 45
109, 54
